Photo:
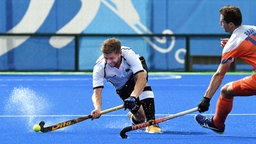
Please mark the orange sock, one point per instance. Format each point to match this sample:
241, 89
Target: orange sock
223, 108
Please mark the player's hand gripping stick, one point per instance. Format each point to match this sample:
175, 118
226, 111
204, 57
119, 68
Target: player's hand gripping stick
132, 103
204, 104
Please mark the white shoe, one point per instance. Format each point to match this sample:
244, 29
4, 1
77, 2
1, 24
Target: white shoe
153, 129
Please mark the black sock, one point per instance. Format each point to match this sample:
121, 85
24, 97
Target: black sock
149, 108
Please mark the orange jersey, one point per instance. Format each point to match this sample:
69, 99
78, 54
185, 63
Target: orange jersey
242, 44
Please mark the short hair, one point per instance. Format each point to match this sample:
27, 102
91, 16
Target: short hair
111, 45
231, 14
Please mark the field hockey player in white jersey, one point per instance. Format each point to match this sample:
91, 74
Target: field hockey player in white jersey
128, 73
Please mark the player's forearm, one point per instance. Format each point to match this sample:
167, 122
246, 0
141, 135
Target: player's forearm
97, 99
140, 84
214, 85
97, 102
217, 79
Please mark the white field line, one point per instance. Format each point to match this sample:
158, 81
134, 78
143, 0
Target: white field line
109, 115
44, 79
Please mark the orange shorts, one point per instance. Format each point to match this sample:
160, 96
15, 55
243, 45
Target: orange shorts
245, 86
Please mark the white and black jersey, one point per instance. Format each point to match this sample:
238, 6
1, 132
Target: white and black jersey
130, 65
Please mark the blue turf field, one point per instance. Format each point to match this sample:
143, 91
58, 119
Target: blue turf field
28, 99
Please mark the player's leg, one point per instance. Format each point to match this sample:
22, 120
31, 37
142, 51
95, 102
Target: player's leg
223, 108
224, 105
148, 101
243, 87
147, 107
137, 117
148, 104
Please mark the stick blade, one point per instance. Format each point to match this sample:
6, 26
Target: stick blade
123, 132
42, 123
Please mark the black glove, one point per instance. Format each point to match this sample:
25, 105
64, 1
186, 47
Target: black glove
204, 105
132, 103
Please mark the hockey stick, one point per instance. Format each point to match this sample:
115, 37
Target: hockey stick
73, 121
156, 121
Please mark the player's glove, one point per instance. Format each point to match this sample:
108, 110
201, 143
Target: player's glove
204, 105
132, 103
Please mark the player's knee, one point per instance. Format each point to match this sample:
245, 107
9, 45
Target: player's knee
140, 116
226, 91
138, 120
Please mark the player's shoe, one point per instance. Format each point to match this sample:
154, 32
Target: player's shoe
153, 129
208, 123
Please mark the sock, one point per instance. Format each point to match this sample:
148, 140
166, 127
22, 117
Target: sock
223, 108
149, 108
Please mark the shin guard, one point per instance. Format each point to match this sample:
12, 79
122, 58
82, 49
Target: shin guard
149, 108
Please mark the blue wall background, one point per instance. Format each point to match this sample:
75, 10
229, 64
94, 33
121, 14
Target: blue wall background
109, 17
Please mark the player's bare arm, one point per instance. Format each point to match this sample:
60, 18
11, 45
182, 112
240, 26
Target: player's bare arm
217, 79
215, 82
97, 102
141, 82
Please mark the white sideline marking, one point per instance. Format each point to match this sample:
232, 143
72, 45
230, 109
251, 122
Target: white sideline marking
115, 115
160, 77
